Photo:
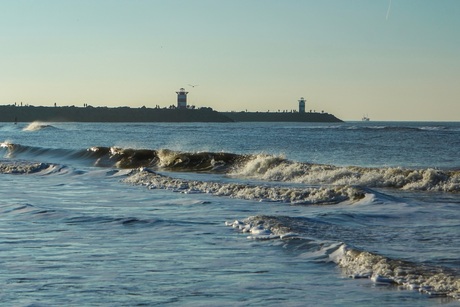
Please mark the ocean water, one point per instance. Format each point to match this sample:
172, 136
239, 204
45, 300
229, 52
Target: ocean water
230, 214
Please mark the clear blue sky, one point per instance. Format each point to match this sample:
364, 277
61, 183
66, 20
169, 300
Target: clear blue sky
346, 57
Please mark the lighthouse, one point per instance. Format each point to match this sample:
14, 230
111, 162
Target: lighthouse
302, 105
182, 99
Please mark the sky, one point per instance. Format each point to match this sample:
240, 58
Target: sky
390, 59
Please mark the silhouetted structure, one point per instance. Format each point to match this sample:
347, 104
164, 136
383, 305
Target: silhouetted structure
302, 105
182, 99
104, 114
281, 117
181, 113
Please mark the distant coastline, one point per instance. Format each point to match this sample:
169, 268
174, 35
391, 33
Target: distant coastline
13, 113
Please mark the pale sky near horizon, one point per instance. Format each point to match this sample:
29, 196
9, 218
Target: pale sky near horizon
393, 60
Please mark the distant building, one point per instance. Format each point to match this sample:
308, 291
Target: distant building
182, 99
302, 105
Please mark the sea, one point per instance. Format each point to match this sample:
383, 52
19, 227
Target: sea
230, 214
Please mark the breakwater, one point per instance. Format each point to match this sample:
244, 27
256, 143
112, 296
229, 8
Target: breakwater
12, 113
281, 117
104, 114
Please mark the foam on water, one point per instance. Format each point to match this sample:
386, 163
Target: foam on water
103, 241
362, 264
258, 231
35, 126
20, 168
258, 166
307, 195
279, 169
434, 281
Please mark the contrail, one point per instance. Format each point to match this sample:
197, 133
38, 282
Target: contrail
388, 11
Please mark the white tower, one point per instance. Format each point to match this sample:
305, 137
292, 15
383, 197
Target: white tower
182, 99
302, 105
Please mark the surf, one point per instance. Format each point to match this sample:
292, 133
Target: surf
275, 168
37, 125
354, 263
264, 167
262, 193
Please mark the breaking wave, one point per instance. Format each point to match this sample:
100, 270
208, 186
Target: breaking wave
434, 281
273, 168
355, 263
310, 195
23, 168
257, 166
35, 126
165, 159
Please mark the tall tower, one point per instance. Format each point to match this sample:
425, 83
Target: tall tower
182, 99
302, 105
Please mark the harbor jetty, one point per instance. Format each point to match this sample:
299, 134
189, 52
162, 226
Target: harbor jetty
182, 112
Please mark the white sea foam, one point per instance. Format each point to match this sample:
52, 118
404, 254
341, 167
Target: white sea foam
309, 195
257, 231
362, 264
6, 144
274, 168
355, 263
34, 126
25, 167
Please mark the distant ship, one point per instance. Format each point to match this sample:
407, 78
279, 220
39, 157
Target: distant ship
365, 118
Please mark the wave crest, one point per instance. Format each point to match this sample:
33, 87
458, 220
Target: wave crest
21, 168
310, 195
202, 161
35, 126
259, 166
434, 281
380, 269
272, 168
